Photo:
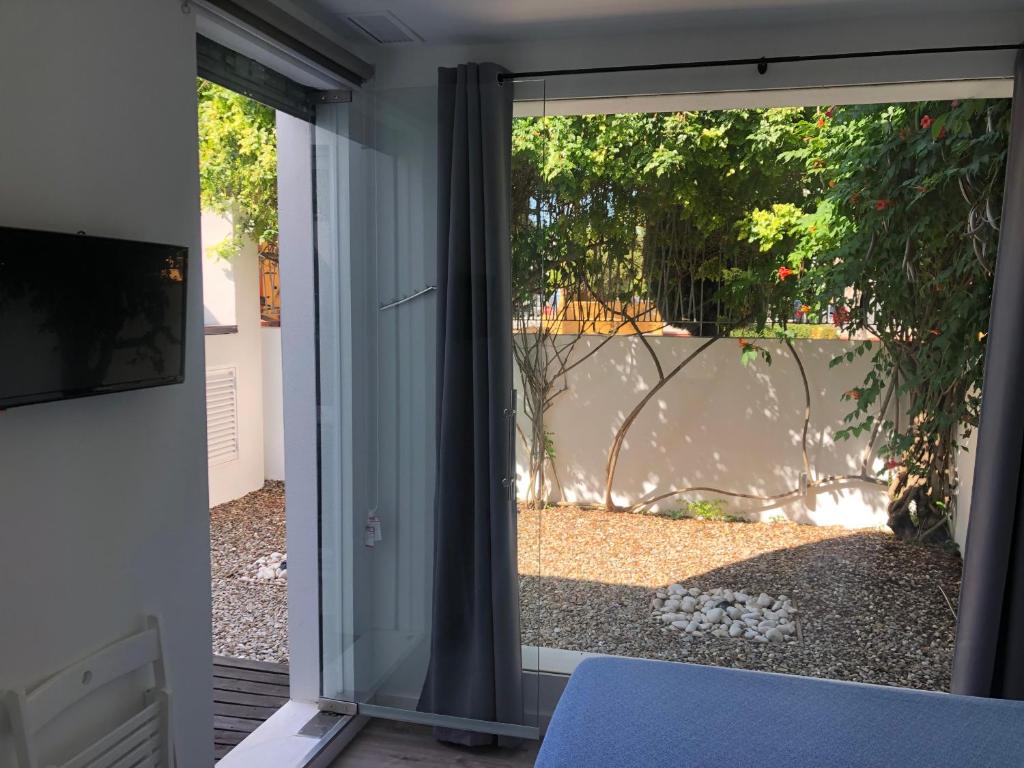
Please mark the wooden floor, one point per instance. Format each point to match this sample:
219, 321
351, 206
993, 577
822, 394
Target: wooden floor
389, 744
245, 693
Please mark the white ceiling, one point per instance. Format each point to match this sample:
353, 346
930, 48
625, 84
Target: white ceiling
501, 21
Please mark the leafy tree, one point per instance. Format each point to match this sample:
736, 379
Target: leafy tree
238, 165
885, 216
902, 240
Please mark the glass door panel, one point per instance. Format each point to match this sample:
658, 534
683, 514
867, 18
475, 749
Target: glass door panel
376, 192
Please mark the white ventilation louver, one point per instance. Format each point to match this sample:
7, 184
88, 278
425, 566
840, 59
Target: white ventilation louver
384, 27
221, 415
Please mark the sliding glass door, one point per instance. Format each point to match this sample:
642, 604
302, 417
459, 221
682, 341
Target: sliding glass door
376, 221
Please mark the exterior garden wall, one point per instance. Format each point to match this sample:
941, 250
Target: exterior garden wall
717, 423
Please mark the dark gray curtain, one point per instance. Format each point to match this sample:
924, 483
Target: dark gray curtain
989, 657
476, 660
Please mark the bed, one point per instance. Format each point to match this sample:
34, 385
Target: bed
628, 713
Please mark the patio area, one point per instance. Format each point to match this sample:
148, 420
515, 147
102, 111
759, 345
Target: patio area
871, 608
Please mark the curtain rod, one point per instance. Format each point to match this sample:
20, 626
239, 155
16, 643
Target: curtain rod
761, 63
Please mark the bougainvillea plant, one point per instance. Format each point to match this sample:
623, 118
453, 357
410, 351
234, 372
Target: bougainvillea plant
906, 236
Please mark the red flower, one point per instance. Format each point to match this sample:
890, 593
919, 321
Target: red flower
893, 464
829, 112
821, 122
853, 394
841, 316
882, 203
784, 272
926, 122
744, 343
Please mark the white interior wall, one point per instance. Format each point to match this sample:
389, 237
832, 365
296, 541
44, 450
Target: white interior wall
104, 499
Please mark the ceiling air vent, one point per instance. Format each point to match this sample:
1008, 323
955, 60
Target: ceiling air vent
384, 27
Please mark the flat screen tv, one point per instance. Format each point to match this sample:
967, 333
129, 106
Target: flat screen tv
84, 315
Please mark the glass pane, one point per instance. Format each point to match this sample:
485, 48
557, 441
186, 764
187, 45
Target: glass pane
733, 302
377, 220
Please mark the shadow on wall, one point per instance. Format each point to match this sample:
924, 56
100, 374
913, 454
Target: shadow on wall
871, 609
717, 423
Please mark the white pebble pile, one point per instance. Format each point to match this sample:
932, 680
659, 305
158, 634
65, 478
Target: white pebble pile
725, 613
272, 567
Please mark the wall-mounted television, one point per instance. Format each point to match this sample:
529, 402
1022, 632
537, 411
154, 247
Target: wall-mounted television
83, 315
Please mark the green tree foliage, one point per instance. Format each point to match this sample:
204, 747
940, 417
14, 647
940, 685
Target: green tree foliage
238, 165
884, 215
900, 235
650, 205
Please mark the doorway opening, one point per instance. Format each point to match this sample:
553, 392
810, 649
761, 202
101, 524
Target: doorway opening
729, 451
244, 399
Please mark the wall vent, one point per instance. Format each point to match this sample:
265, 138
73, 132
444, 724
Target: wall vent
384, 27
221, 415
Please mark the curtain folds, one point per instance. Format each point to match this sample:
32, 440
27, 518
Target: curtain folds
989, 655
475, 666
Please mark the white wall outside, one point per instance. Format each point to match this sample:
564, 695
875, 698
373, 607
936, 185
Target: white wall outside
104, 499
716, 424
242, 351
218, 273
965, 458
273, 404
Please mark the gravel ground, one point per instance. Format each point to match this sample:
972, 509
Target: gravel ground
871, 607
250, 618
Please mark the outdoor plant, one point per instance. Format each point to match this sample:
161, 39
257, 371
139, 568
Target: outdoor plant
884, 217
902, 243
238, 166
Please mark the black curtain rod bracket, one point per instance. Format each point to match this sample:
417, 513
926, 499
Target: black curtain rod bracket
761, 63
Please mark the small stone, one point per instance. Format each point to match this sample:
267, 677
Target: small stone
720, 632
736, 629
675, 589
774, 635
698, 617
714, 616
760, 639
688, 604
692, 627
694, 591
763, 601
750, 634
657, 603
681, 625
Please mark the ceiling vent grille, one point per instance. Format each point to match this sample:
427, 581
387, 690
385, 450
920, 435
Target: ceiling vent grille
385, 28
221, 415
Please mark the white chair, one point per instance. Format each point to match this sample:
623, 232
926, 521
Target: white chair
142, 741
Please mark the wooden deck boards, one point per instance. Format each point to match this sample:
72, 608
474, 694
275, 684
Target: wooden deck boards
390, 744
245, 694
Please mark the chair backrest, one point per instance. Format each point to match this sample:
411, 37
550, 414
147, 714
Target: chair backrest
142, 741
